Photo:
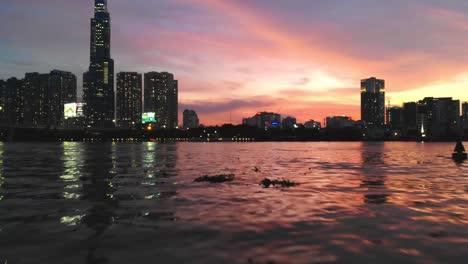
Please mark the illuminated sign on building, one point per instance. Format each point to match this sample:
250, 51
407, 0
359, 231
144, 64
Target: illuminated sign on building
73, 110
148, 118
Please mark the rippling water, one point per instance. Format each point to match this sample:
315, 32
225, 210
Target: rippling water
137, 203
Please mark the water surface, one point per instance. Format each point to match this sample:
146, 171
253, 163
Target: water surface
137, 203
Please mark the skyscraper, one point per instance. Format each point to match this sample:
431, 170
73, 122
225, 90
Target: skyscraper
465, 115
191, 119
395, 117
2, 101
36, 104
129, 99
438, 117
263, 120
45, 96
373, 101
409, 118
161, 98
14, 102
289, 122
98, 81
61, 91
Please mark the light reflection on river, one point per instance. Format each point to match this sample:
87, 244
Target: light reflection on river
137, 203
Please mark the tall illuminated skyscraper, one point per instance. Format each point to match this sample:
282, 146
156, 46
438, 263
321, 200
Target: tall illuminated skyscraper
373, 102
161, 97
129, 101
98, 81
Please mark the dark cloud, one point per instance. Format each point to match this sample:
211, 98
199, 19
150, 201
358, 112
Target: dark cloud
211, 107
295, 92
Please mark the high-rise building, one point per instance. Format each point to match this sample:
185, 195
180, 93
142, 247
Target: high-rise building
14, 102
410, 124
161, 98
45, 96
61, 91
395, 117
338, 122
289, 122
191, 119
36, 87
129, 100
438, 117
263, 120
465, 115
2, 101
98, 81
373, 102
313, 124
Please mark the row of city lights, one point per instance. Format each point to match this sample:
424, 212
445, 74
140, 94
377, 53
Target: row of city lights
151, 140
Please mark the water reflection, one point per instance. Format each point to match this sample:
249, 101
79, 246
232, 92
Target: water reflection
374, 174
72, 162
81, 203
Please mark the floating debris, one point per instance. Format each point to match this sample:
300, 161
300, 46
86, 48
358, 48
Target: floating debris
438, 234
256, 169
282, 183
216, 179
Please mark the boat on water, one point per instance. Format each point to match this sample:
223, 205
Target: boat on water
459, 153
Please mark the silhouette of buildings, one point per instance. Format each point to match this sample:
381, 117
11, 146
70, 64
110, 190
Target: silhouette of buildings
61, 91
36, 105
2, 101
438, 117
373, 102
263, 120
313, 124
14, 102
289, 122
38, 99
337, 122
395, 117
98, 81
190, 119
161, 98
410, 123
465, 115
129, 100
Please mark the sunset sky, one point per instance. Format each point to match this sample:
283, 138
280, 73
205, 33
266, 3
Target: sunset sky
303, 58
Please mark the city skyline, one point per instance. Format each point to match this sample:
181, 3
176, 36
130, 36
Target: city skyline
252, 61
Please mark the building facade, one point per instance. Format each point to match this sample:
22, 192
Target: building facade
36, 104
438, 118
38, 100
263, 120
465, 115
14, 102
161, 98
129, 100
338, 122
289, 122
410, 124
191, 119
98, 81
312, 124
395, 117
61, 91
2, 101
373, 102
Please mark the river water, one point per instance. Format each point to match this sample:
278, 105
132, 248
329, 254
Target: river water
137, 203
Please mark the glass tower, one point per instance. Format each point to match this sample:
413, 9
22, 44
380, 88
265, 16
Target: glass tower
98, 81
373, 101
